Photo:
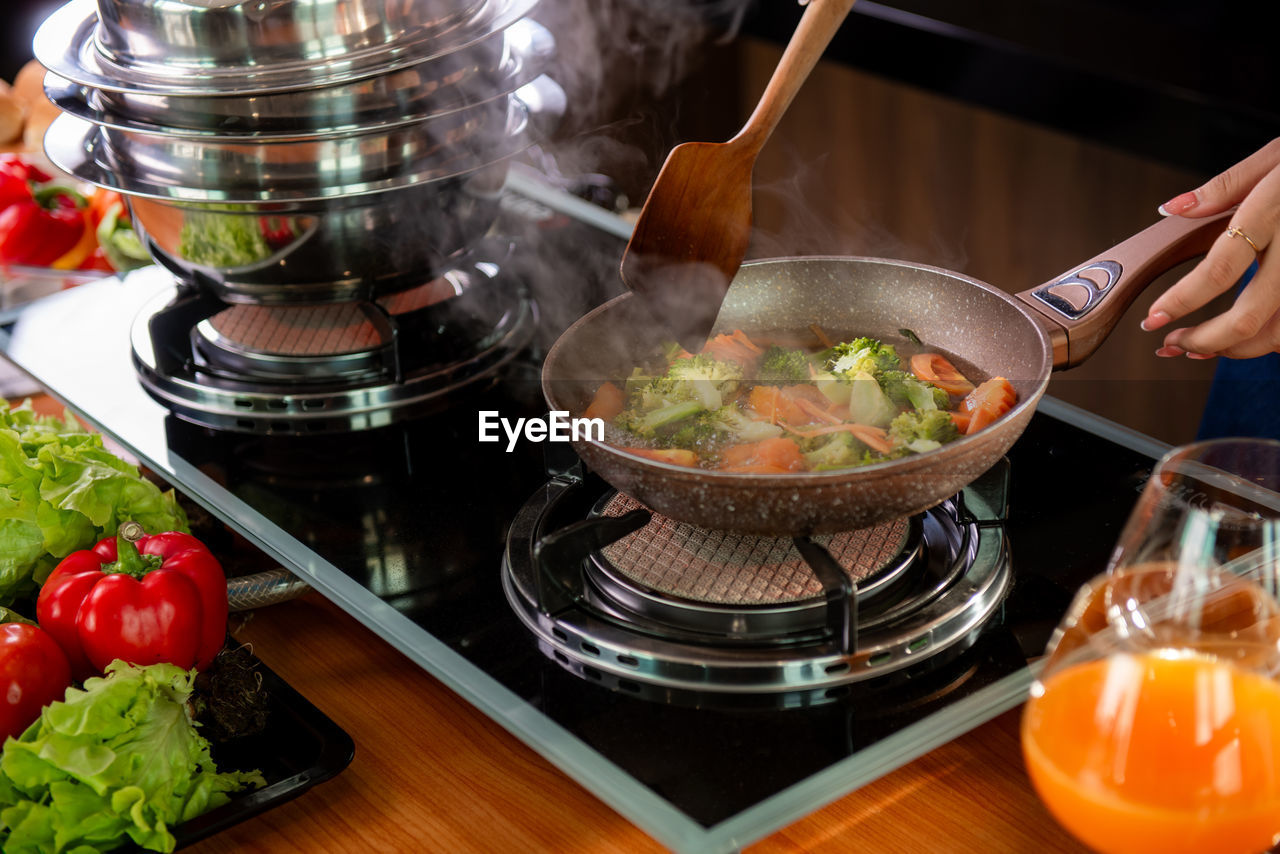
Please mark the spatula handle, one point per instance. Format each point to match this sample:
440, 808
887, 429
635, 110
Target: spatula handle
817, 27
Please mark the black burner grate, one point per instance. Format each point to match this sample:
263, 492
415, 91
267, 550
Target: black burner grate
725, 568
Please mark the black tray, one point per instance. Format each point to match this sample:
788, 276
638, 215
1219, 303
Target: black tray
299, 748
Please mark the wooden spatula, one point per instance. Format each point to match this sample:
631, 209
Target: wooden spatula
695, 226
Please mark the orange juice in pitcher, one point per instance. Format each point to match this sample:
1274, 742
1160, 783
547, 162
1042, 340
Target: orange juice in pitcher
1154, 726
1160, 752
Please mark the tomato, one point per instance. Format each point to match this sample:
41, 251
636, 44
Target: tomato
33, 673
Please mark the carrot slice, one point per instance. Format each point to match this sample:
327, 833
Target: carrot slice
937, 369
763, 400
802, 403
988, 402
741, 337
807, 391
676, 456
818, 412
774, 404
873, 437
780, 453
726, 348
607, 403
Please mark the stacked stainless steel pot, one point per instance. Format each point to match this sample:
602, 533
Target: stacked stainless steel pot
299, 151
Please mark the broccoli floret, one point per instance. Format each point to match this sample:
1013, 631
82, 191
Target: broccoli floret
646, 422
923, 431
783, 365
863, 354
703, 378
895, 384
908, 391
836, 451
704, 367
699, 378
698, 433
689, 386
656, 393
707, 431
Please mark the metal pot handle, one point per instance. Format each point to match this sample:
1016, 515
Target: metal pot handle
1080, 308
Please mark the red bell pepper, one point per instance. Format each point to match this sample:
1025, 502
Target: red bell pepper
97, 260
33, 673
277, 230
13, 188
16, 178
161, 600
43, 227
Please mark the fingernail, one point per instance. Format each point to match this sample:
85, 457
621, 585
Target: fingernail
1169, 352
1154, 320
1179, 204
1200, 355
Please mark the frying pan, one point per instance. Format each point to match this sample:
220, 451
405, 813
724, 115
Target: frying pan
986, 332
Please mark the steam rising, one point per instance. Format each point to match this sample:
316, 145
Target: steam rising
618, 60
613, 50
620, 63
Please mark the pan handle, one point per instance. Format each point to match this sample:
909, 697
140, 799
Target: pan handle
1080, 308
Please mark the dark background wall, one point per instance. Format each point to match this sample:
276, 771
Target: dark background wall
1195, 84
20, 20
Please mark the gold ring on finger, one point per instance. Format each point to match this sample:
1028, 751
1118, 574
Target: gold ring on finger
1233, 231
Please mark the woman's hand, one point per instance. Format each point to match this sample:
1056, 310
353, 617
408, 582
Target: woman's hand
1251, 327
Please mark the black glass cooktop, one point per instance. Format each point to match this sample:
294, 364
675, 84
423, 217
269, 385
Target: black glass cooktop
405, 527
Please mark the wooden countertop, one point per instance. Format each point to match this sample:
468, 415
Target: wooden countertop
431, 773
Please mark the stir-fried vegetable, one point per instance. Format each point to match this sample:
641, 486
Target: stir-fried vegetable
741, 406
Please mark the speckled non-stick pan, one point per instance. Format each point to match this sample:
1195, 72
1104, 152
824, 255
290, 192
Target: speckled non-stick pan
985, 331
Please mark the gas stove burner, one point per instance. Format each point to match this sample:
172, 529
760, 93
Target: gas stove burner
339, 367
308, 341
659, 608
736, 584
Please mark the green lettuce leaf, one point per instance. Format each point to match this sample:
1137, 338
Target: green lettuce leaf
120, 760
61, 490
